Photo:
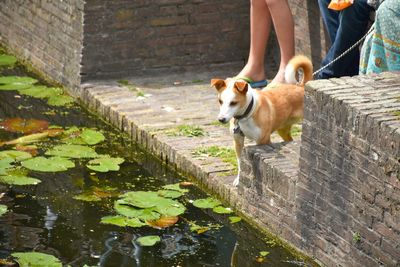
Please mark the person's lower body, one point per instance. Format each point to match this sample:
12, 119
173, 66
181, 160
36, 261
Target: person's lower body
344, 28
262, 14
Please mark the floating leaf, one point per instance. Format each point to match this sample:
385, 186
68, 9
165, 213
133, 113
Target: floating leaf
60, 100
222, 210
14, 154
170, 209
131, 212
28, 259
234, 219
3, 209
17, 80
206, 203
72, 151
199, 229
264, 253
122, 221
7, 60
163, 222
92, 137
53, 164
142, 199
169, 193
27, 139
105, 164
18, 180
14, 86
26, 126
5, 164
175, 187
41, 91
185, 183
148, 241
30, 149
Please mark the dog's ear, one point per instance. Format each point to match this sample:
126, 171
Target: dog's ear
219, 84
241, 86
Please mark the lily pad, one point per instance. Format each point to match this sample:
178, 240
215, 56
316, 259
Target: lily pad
234, 219
148, 241
131, 212
53, 164
30, 259
169, 193
18, 180
162, 205
163, 222
92, 137
26, 126
17, 80
3, 209
141, 199
72, 151
14, 86
60, 100
122, 221
175, 187
14, 154
7, 60
206, 203
42, 91
33, 150
5, 164
222, 210
105, 164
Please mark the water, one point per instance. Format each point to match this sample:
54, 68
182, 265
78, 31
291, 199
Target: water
45, 218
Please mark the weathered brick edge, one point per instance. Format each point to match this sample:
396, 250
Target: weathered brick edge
341, 204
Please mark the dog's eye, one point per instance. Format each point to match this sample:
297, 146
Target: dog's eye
233, 103
220, 101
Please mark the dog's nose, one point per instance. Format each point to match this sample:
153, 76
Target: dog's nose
222, 120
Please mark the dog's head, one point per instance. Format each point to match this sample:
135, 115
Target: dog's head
231, 97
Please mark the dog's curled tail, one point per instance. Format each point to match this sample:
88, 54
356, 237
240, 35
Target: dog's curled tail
296, 63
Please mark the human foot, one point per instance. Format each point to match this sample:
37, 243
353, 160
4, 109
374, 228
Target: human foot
279, 77
253, 73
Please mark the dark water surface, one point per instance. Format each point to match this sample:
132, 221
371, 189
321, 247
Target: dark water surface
45, 218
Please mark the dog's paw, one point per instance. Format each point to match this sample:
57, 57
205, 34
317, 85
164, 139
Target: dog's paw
236, 181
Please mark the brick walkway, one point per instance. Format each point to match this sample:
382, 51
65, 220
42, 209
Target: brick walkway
167, 103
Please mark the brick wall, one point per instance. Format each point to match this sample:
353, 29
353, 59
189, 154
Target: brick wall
48, 34
339, 201
349, 182
128, 38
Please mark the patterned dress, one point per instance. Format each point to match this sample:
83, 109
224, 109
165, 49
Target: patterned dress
381, 49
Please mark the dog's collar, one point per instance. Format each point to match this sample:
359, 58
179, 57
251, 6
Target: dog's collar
247, 111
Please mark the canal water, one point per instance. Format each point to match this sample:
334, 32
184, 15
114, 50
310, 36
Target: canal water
51, 217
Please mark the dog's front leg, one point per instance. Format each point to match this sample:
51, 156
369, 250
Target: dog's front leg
238, 139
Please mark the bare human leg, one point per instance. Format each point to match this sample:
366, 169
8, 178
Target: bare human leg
260, 28
262, 14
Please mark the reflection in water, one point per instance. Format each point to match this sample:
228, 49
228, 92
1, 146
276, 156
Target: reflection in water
177, 242
49, 219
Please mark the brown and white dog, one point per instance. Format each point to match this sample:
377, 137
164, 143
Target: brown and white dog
257, 113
